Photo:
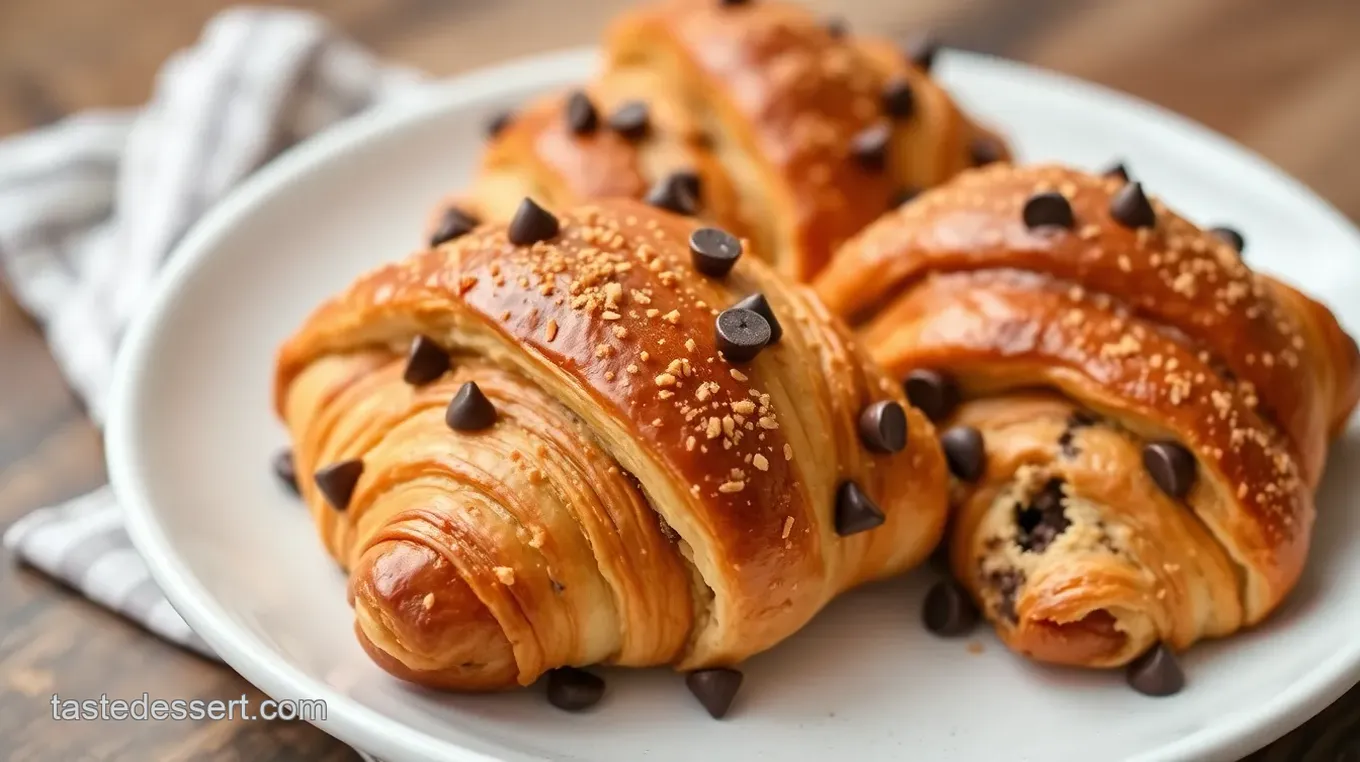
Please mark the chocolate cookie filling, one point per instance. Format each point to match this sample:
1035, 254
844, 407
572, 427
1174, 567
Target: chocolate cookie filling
1042, 520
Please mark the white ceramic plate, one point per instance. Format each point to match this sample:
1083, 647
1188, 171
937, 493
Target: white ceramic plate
191, 435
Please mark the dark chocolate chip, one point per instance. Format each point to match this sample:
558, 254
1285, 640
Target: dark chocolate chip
1049, 209
855, 511
455, 223
715, 688
631, 120
757, 303
1131, 208
284, 469
580, 112
337, 482
497, 123
426, 362
1171, 466
985, 149
948, 610
1117, 170
531, 224
574, 689
1043, 520
1156, 673
1007, 584
741, 334
1233, 237
883, 427
732, 3
836, 27
689, 181
906, 195
921, 51
870, 147
964, 450
674, 193
470, 410
898, 99
1067, 440
713, 251
931, 392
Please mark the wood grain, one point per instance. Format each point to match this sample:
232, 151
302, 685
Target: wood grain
1282, 78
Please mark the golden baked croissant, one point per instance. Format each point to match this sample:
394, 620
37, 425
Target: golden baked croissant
631, 470
772, 124
1144, 419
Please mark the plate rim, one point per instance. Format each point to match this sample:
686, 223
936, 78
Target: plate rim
372, 731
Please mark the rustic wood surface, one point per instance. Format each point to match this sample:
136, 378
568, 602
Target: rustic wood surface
1282, 78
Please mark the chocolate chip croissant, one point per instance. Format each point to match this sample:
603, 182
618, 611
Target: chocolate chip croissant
1144, 420
758, 115
597, 438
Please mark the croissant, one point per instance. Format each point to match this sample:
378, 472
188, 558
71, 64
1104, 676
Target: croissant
758, 115
559, 443
1143, 419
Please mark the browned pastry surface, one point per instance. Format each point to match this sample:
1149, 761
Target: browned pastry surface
639, 499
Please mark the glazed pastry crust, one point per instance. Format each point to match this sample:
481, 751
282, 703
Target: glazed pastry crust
640, 500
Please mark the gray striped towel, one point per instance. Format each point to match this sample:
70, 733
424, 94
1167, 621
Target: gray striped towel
91, 207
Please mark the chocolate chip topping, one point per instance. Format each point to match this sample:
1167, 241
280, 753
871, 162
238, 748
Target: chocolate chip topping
836, 27
455, 223
1117, 170
870, 147
964, 451
337, 482
1131, 208
1049, 209
582, 118
757, 303
898, 99
715, 688
985, 149
1038, 524
675, 193
531, 224
948, 610
741, 334
1233, 237
1156, 673
470, 410
905, 196
497, 123
713, 251
689, 182
284, 469
631, 120
921, 51
855, 512
574, 689
425, 363
1171, 466
931, 392
883, 427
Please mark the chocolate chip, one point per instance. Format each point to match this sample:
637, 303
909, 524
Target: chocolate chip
948, 610
674, 193
757, 303
715, 688
1039, 523
741, 334
574, 689
855, 511
965, 453
1048, 210
836, 27
470, 410
713, 251
1156, 673
531, 224
631, 120
870, 147
284, 469
455, 223
425, 363
898, 99
1117, 170
732, 3
985, 149
689, 181
1233, 238
921, 51
497, 123
1131, 208
931, 392
580, 112
557, 587
906, 195
1066, 441
1007, 584
883, 427
337, 482
1171, 466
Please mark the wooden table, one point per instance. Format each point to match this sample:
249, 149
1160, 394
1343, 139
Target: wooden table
1282, 78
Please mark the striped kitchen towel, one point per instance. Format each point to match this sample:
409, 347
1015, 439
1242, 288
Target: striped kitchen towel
91, 207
